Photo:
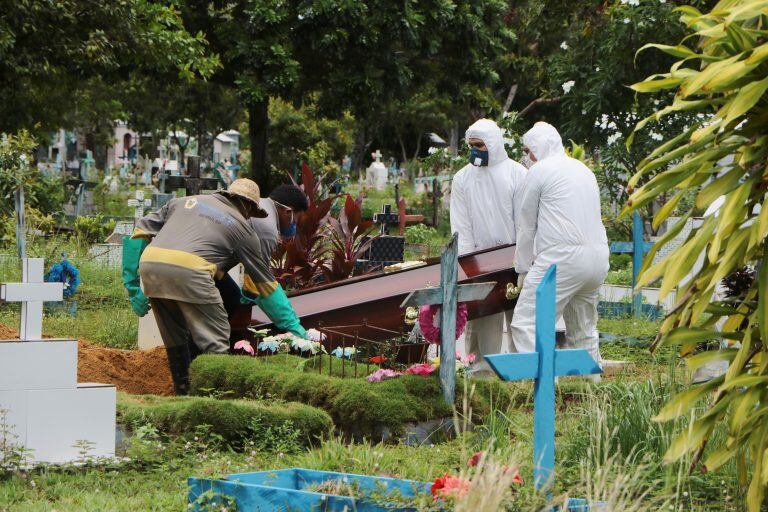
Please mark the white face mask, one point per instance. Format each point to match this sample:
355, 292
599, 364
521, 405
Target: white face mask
526, 161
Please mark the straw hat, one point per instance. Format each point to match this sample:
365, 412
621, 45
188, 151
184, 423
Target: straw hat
247, 189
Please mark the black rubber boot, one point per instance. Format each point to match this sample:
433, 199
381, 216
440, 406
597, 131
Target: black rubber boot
178, 363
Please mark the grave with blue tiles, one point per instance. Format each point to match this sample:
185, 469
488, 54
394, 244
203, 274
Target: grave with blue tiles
543, 366
304, 490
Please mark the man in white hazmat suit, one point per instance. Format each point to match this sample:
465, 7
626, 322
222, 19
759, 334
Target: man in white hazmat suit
483, 214
559, 222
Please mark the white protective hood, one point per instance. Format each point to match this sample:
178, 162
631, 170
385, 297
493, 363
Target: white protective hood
483, 198
543, 140
490, 133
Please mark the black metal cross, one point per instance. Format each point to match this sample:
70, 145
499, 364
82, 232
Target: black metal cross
192, 183
385, 218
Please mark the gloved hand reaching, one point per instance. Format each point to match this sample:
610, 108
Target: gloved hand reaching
315, 335
278, 308
132, 249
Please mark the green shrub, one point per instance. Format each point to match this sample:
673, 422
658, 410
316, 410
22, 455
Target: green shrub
236, 421
420, 234
356, 406
93, 229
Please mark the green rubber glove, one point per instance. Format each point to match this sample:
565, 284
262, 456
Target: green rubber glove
278, 308
132, 249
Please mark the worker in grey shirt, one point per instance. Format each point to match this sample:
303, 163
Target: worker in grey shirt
180, 251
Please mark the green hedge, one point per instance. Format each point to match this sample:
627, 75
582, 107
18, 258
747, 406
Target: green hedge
231, 419
356, 405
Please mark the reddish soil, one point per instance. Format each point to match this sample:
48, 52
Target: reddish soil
132, 371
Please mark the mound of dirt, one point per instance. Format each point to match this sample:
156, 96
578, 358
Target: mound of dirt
137, 372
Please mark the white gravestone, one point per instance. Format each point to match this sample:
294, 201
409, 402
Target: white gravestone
139, 204
111, 252
376, 174
48, 414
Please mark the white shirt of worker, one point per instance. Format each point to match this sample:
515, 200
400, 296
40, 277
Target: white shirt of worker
559, 222
483, 214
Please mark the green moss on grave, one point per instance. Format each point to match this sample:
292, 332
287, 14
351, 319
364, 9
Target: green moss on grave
356, 406
231, 419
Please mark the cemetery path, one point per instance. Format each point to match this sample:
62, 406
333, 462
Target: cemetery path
131, 371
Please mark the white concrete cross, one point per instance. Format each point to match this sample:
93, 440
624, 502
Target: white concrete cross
31, 292
377, 155
139, 204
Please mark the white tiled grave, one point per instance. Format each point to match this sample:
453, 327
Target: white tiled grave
46, 412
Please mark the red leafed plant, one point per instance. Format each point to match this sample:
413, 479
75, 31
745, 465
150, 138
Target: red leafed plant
348, 242
325, 248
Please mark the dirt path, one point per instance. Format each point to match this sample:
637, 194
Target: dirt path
132, 371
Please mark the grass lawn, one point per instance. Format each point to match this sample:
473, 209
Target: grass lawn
606, 428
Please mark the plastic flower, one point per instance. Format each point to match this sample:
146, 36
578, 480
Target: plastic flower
245, 345
475, 459
346, 352
301, 345
517, 479
268, 345
449, 486
383, 374
421, 369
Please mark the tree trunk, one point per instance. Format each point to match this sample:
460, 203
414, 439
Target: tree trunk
258, 127
358, 149
402, 148
454, 142
418, 148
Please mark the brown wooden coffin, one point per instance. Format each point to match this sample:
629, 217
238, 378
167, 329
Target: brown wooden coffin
376, 298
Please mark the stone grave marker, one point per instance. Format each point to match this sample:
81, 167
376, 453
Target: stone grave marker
50, 417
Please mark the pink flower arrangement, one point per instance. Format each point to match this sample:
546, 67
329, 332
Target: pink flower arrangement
428, 317
246, 346
449, 486
383, 374
420, 369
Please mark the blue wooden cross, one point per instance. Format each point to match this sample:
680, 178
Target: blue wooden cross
637, 257
543, 366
